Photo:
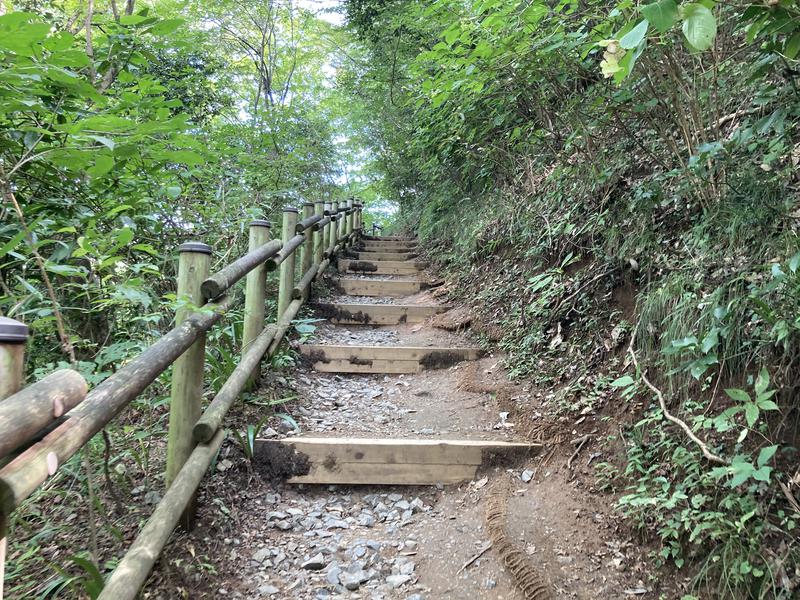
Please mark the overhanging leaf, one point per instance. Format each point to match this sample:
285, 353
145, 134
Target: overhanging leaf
699, 26
662, 15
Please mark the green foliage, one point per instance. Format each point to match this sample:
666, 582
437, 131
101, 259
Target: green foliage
661, 203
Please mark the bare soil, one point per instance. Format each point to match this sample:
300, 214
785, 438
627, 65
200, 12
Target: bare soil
255, 536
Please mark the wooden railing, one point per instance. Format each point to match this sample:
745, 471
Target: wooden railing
45, 424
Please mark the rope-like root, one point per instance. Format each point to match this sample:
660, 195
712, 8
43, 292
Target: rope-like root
526, 576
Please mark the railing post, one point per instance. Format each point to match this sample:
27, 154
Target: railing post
360, 219
334, 227
13, 336
187, 370
308, 247
350, 217
255, 294
319, 236
286, 283
340, 224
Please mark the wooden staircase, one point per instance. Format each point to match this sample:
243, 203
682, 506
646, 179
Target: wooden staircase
398, 461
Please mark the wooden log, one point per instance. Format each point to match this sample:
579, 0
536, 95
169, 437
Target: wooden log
255, 294
321, 224
186, 394
286, 279
287, 250
211, 419
215, 285
378, 314
307, 249
28, 411
390, 238
308, 221
29, 470
372, 287
389, 461
378, 267
283, 325
304, 285
132, 571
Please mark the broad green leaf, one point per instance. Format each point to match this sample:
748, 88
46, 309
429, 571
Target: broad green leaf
765, 455
792, 47
762, 382
751, 414
767, 405
635, 36
166, 26
699, 26
623, 381
738, 395
662, 15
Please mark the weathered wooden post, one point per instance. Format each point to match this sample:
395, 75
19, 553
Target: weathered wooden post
350, 217
308, 247
286, 282
255, 293
187, 371
319, 236
334, 226
13, 336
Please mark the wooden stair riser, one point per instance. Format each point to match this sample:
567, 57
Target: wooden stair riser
388, 248
377, 314
367, 287
372, 238
385, 461
383, 267
384, 359
402, 256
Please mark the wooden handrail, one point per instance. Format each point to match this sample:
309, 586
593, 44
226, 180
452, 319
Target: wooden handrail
63, 391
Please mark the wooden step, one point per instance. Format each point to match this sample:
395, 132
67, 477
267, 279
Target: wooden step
383, 461
331, 358
386, 247
390, 238
378, 314
379, 287
378, 267
371, 255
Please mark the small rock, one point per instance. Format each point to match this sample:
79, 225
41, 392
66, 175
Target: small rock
527, 475
315, 563
395, 581
268, 590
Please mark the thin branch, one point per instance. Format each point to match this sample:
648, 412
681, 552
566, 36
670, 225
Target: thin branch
669, 416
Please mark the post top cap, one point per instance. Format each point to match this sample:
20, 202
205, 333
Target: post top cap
195, 247
307, 204
260, 223
320, 201
12, 330
290, 209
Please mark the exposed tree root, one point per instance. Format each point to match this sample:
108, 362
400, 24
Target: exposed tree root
527, 577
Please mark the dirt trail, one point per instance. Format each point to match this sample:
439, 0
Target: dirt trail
411, 543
